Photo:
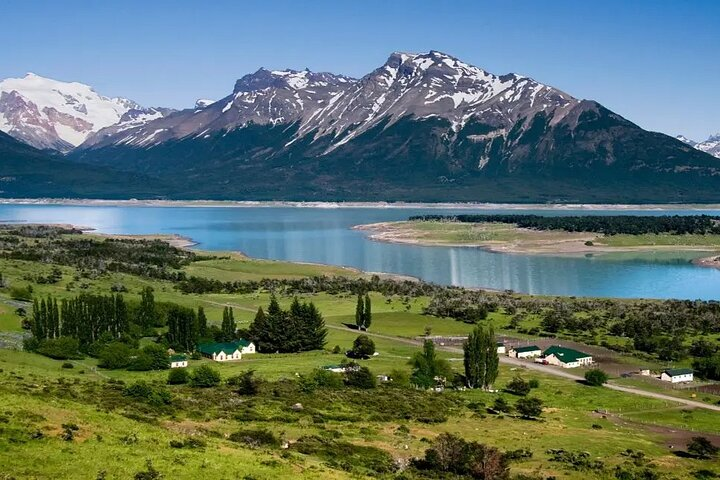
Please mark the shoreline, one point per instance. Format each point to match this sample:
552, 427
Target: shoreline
384, 232
351, 204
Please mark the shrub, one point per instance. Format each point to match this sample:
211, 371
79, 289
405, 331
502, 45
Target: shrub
701, 447
205, 376
363, 347
178, 376
256, 438
360, 377
190, 442
63, 348
67, 365
359, 459
575, 460
518, 386
148, 393
534, 383
502, 405
596, 377
450, 453
116, 355
246, 383
529, 407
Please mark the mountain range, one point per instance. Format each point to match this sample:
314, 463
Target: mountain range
422, 127
711, 145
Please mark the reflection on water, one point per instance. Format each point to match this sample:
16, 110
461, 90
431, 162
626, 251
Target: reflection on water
325, 236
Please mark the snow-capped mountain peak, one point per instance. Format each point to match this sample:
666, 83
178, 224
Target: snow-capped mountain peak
418, 85
48, 113
711, 145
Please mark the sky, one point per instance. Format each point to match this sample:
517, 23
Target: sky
655, 62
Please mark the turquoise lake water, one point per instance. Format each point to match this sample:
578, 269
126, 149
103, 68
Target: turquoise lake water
324, 235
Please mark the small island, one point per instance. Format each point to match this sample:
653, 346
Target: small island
534, 234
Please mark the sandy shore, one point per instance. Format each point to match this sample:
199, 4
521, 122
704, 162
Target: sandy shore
443, 205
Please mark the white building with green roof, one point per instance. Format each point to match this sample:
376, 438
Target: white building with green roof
226, 351
566, 357
178, 360
528, 351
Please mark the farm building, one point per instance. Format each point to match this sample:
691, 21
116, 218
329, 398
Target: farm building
677, 375
566, 357
501, 350
223, 352
178, 361
529, 351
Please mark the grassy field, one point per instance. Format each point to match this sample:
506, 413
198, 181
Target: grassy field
116, 438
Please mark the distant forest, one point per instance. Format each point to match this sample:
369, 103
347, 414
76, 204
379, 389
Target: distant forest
608, 225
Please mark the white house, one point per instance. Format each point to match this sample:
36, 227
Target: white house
178, 361
677, 375
501, 350
566, 357
525, 352
221, 352
246, 346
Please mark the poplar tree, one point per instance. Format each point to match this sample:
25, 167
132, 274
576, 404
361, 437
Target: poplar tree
201, 322
146, 313
228, 326
367, 313
480, 358
359, 312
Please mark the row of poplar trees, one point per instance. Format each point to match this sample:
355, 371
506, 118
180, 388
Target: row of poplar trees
299, 329
363, 312
85, 318
481, 358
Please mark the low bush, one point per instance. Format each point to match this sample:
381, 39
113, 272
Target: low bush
360, 377
596, 377
205, 376
178, 376
153, 395
256, 438
358, 459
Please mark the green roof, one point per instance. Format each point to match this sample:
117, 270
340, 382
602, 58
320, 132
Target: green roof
178, 357
227, 347
566, 355
676, 372
529, 348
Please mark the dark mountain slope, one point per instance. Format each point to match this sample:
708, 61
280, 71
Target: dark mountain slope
26, 172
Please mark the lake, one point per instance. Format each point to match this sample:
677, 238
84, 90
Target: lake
324, 235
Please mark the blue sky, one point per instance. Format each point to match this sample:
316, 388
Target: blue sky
655, 62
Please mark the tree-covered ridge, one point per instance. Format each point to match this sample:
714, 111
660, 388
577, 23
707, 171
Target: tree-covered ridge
605, 224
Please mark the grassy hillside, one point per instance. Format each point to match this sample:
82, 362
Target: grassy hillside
340, 432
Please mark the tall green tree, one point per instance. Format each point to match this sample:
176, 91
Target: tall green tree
228, 326
367, 313
202, 322
480, 358
147, 314
359, 312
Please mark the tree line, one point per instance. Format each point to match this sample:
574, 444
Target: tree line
605, 224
